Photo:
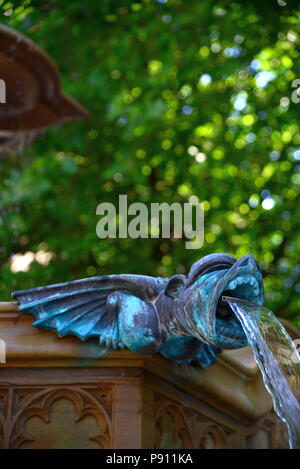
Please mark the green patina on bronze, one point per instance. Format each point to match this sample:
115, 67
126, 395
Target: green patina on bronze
183, 318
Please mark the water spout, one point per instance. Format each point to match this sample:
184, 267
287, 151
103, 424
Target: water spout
278, 359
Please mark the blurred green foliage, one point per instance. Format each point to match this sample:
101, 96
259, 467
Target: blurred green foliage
185, 99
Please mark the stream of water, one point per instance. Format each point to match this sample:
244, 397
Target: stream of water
278, 360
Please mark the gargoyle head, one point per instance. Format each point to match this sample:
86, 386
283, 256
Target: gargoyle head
199, 297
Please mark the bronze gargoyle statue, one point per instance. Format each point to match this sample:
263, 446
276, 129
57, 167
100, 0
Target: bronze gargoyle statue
183, 318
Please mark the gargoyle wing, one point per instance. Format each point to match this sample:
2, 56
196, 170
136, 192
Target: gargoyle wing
80, 307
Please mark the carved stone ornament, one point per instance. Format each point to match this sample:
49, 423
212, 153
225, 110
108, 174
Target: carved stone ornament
179, 427
56, 417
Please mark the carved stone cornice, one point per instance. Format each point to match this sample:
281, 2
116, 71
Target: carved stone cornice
232, 385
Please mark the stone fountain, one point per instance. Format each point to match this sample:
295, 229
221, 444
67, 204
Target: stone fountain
202, 389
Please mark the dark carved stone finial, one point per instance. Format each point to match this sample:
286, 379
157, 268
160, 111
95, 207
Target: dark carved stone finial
32, 99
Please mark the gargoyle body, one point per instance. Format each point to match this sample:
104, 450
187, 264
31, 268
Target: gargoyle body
183, 318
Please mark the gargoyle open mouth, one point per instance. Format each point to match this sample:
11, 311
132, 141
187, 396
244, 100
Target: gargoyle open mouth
244, 281
244, 287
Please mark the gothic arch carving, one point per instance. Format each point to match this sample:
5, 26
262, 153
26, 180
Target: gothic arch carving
212, 436
57, 413
171, 427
